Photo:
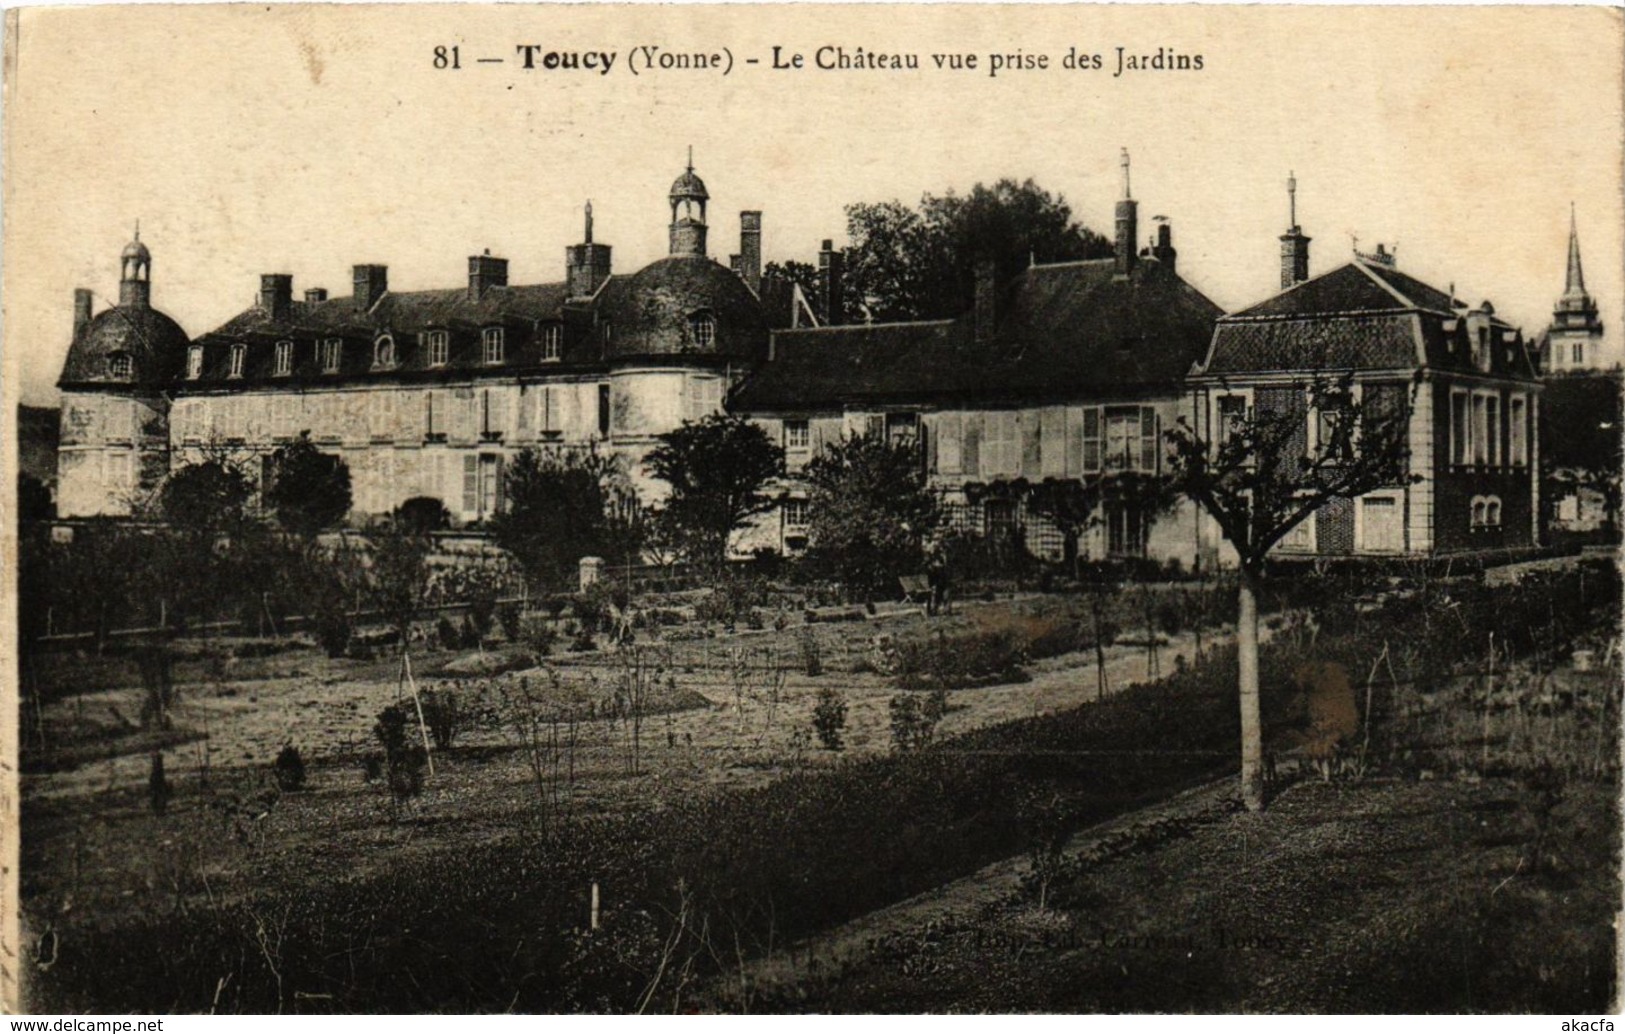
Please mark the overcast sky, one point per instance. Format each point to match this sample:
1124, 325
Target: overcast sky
304, 140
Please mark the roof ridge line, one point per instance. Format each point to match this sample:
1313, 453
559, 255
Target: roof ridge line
1410, 303
869, 326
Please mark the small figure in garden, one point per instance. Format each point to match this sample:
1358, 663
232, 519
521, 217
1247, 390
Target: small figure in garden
936, 573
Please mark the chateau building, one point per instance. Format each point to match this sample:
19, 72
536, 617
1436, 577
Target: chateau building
1068, 371
1461, 378
421, 392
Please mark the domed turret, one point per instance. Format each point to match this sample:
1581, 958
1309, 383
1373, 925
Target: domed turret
684, 305
130, 344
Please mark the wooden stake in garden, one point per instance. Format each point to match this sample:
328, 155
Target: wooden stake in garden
423, 728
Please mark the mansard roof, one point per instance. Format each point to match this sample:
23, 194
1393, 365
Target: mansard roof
1362, 316
1066, 330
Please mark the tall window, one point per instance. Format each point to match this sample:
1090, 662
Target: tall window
1492, 429
702, 329
491, 339
795, 514
1334, 427
1091, 439
552, 342
1481, 437
1578, 355
1126, 528
1461, 435
239, 355
1518, 430
797, 435
902, 427
383, 352
438, 344
1131, 438
1232, 414
194, 362
332, 353
284, 358
1001, 446
603, 411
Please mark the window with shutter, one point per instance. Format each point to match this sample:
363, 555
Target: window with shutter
1091, 440
949, 458
1148, 440
471, 484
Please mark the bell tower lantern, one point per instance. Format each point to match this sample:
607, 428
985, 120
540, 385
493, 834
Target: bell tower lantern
688, 199
135, 274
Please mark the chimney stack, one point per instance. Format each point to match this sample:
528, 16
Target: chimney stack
371, 283
1163, 251
750, 250
1128, 224
315, 295
81, 310
484, 273
276, 295
987, 299
1294, 245
586, 265
831, 267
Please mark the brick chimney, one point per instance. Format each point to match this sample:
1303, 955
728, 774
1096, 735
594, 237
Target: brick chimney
371, 283
1294, 245
987, 299
586, 265
82, 301
484, 273
1163, 251
1128, 225
750, 250
276, 295
831, 266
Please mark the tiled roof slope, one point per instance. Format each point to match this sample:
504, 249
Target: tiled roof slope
1363, 317
1065, 331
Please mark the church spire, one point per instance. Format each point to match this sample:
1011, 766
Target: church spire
1575, 286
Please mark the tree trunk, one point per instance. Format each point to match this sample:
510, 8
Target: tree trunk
1252, 731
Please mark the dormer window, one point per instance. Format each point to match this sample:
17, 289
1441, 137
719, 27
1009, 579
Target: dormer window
492, 344
194, 362
383, 352
120, 365
702, 329
552, 342
438, 344
239, 356
284, 358
332, 354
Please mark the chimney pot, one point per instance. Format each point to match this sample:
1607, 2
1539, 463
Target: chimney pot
82, 301
750, 250
276, 295
371, 284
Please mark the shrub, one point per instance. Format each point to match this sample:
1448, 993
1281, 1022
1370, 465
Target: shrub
469, 638
446, 631
829, 718
812, 654
405, 759
914, 721
443, 714
538, 634
510, 616
945, 662
289, 768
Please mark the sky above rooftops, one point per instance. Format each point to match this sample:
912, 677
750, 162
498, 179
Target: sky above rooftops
305, 140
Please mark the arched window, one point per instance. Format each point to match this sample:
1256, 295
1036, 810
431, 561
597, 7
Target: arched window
1492, 512
1480, 510
491, 339
120, 365
702, 329
383, 352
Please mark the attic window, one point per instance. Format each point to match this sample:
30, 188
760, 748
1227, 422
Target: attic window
332, 352
702, 329
552, 342
284, 358
438, 343
239, 355
194, 362
383, 352
491, 338
120, 365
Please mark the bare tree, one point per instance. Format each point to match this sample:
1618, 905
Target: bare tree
1257, 480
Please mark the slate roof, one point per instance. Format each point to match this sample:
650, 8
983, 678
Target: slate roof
649, 311
155, 344
1067, 330
1362, 316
